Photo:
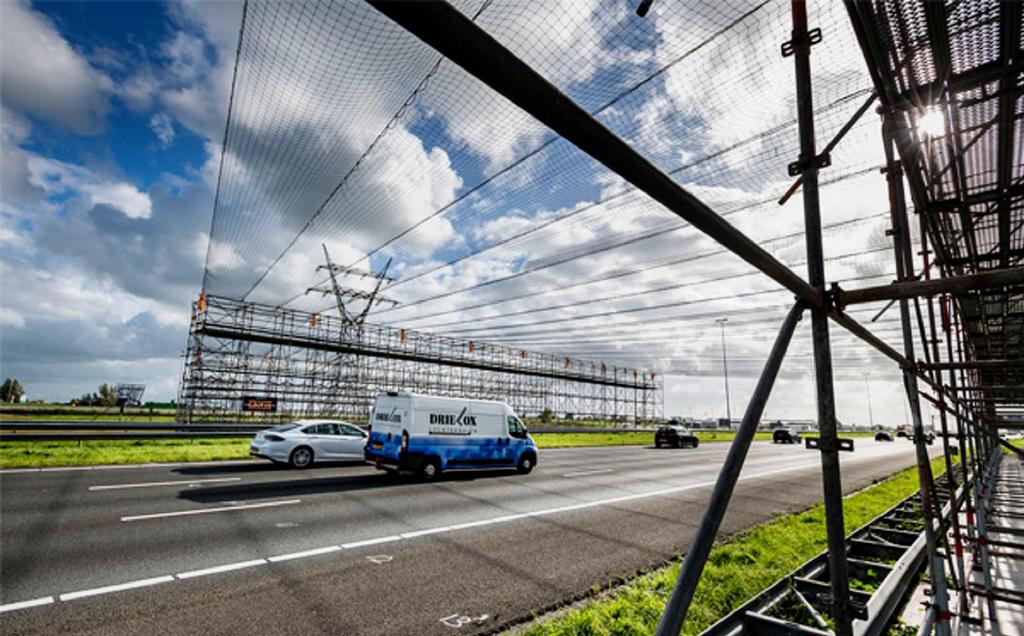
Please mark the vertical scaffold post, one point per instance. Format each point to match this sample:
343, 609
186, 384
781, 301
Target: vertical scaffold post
933, 340
904, 267
807, 167
689, 576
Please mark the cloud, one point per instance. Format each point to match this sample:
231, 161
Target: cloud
163, 127
42, 75
58, 178
186, 56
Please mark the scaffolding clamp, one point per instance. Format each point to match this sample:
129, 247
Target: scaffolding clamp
834, 298
828, 445
797, 168
807, 38
854, 609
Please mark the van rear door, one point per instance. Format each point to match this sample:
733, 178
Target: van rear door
389, 416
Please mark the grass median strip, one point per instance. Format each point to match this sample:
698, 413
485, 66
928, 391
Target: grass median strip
46, 454
736, 570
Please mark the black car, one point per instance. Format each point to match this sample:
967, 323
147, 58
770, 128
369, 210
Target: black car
883, 436
675, 436
929, 438
785, 436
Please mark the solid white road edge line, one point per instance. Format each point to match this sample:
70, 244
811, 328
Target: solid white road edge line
153, 484
23, 604
304, 553
360, 544
131, 585
203, 511
221, 568
390, 538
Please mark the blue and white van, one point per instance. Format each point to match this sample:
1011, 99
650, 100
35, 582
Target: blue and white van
427, 435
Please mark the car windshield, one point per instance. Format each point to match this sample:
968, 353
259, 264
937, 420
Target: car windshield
280, 428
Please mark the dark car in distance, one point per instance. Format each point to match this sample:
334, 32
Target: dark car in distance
929, 438
785, 436
674, 435
883, 436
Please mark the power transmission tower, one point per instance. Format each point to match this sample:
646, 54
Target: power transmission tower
340, 293
345, 371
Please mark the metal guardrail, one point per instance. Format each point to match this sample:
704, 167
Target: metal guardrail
88, 430
35, 430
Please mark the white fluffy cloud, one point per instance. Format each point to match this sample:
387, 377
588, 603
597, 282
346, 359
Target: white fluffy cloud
42, 75
60, 178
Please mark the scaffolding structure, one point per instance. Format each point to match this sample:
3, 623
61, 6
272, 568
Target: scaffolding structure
963, 62
307, 364
947, 78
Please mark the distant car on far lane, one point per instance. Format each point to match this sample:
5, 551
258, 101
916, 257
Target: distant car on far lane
929, 438
883, 436
303, 442
785, 436
674, 435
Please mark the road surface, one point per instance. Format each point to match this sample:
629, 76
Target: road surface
244, 547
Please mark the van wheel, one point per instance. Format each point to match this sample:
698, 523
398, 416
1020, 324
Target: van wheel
301, 457
430, 469
525, 465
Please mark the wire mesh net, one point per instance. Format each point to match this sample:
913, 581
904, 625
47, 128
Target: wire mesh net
347, 131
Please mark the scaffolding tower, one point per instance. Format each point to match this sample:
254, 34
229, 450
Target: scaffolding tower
310, 364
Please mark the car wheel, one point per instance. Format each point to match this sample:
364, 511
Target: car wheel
525, 464
301, 457
695, 442
657, 444
675, 444
430, 469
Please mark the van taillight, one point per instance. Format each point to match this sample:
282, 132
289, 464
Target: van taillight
405, 439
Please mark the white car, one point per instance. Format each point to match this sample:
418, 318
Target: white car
303, 442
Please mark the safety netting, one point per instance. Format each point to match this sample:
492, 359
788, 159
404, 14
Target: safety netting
345, 131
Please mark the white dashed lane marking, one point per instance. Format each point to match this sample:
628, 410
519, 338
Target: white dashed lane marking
588, 472
374, 541
155, 484
203, 511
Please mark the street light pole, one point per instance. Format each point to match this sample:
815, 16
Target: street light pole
725, 366
871, 415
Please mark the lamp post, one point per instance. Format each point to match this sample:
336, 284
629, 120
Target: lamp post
871, 415
725, 366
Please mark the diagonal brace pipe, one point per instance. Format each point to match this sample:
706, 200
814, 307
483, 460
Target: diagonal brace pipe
682, 594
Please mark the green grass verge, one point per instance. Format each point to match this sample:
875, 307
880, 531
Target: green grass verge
736, 570
69, 453
85, 417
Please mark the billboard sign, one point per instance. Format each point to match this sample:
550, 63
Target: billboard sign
255, 404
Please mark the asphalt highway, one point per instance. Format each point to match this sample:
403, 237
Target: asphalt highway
245, 547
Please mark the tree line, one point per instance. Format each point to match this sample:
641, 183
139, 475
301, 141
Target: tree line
11, 392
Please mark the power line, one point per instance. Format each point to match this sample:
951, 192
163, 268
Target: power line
687, 259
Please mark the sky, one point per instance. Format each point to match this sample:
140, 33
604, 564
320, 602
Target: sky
113, 122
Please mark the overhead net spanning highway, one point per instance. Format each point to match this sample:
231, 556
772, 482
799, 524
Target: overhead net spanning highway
577, 181
347, 132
